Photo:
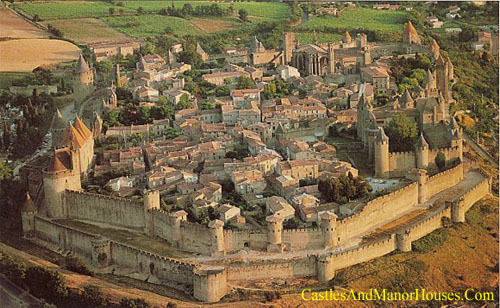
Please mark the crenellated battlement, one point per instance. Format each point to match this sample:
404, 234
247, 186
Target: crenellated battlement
94, 195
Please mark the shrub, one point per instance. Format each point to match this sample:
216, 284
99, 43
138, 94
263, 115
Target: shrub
440, 160
127, 302
486, 208
92, 295
46, 284
76, 265
429, 242
446, 221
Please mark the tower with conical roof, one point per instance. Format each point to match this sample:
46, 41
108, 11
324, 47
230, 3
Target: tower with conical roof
57, 128
83, 73
381, 154
407, 101
347, 37
434, 48
60, 175
442, 78
410, 34
28, 212
422, 152
201, 52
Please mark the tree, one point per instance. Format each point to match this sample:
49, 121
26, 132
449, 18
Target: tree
440, 160
111, 11
47, 284
104, 66
171, 133
92, 296
4, 171
190, 56
140, 10
243, 15
127, 302
36, 18
206, 105
467, 35
184, 103
244, 82
6, 136
402, 133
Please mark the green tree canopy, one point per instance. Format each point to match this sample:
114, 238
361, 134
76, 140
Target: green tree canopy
243, 14
402, 133
244, 82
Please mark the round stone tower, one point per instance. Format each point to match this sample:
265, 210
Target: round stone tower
58, 128
151, 201
57, 177
422, 152
177, 217
28, 212
217, 234
381, 154
422, 185
274, 231
329, 225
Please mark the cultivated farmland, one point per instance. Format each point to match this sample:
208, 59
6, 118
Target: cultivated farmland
145, 25
89, 30
360, 18
60, 14
270, 11
26, 54
307, 37
68, 9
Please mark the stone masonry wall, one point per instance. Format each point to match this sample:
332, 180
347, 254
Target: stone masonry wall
444, 180
64, 237
378, 210
100, 208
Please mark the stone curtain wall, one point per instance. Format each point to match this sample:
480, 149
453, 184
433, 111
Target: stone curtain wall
64, 237
167, 271
301, 239
377, 211
238, 240
401, 161
449, 153
444, 180
477, 192
304, 267
100, 208
147, 263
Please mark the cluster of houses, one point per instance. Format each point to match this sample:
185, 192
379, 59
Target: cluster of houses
268, 150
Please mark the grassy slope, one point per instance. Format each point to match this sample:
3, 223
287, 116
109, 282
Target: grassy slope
360, 18
268, 10
88, 30
68, 9
151, 25
307, 37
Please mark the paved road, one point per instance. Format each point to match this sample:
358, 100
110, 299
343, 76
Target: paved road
13, 296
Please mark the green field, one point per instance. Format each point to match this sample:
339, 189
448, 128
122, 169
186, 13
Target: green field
267, 10
360, 18
6, 78
151, 25
307, 37
68, 9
